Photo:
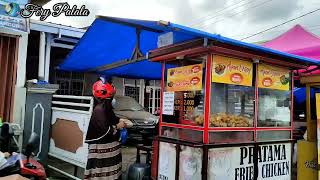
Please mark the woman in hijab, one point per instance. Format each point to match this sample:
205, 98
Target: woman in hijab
104, 157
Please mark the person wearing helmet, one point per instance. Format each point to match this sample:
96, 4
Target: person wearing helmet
104, 157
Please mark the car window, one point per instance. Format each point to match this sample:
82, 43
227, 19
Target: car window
125, 103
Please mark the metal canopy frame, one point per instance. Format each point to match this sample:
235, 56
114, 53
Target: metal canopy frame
136, 56
194, 48
112, 19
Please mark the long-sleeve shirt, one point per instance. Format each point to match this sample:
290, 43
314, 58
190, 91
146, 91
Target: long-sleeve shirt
101, 125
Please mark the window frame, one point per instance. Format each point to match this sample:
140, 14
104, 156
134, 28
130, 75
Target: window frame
163, 87
70, 78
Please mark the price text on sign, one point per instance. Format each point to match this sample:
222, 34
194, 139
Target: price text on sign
186, 78
188, 104
273, 77
231, 71
237, 163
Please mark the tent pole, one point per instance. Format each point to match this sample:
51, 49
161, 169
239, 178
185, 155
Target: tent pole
136, 51
311, 135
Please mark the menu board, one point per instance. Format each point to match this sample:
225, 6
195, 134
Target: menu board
273, 77
231, 71
185, 78
237, 163
168, 103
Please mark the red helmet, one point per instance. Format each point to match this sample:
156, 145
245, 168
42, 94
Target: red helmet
103, 91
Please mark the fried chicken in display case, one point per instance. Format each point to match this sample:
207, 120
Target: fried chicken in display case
229, 120
225, 120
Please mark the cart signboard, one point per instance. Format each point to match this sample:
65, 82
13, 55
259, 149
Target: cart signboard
274, 161
227, 163
307, 165
231, 71
237, 163
190, 163
167, 161
185, 78
273, 77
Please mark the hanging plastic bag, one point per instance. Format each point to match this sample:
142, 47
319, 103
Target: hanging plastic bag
123, 135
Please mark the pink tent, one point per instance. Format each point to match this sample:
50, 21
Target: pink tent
300, 42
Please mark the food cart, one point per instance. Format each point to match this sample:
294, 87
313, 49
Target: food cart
226, 111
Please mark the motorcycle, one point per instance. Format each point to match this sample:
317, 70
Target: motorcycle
22, 163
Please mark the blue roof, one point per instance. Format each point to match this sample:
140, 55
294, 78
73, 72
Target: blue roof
111, 39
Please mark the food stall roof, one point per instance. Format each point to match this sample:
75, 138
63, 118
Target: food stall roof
110, 40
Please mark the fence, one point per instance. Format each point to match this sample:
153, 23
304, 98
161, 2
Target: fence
69, 124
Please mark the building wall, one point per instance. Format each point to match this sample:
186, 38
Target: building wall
118, 83
89, 79
20, 90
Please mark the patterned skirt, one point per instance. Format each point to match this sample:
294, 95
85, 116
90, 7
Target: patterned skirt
104, 162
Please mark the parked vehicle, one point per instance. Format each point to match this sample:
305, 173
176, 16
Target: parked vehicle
22, 163
129, 108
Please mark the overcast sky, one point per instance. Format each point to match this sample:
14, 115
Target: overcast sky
232, 18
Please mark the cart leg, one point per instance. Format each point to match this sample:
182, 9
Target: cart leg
148, 159
75, 172
138, 156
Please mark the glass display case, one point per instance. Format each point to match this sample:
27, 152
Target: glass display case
248, 102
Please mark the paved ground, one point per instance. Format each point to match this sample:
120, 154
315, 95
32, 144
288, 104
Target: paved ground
128, 157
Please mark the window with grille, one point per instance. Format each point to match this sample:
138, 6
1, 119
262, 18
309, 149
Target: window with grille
157, 99
70, 83
132, 92
154, 100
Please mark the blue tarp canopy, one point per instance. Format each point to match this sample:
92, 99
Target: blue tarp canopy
109, 40
300, 94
